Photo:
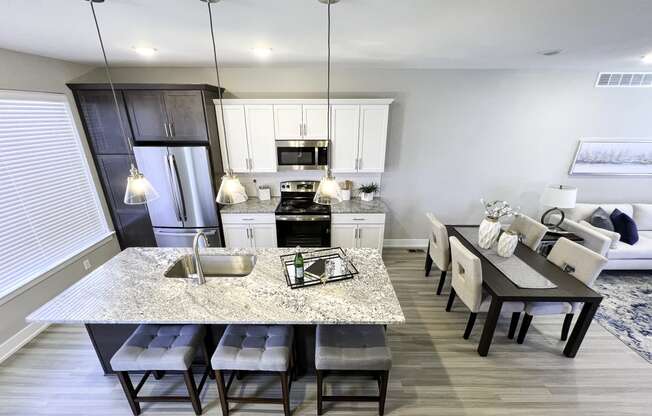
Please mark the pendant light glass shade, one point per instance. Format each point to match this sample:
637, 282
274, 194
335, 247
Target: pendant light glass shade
231, 190
328, 192
139, 190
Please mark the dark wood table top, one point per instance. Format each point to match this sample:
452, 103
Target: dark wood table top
569, 289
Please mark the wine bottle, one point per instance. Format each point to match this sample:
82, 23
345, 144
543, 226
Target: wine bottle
298, 266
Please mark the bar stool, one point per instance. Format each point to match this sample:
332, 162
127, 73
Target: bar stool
352, 349
256, 348
157, 348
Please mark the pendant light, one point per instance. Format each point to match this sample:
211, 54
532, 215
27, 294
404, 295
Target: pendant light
328, 192
139, 190
231, 190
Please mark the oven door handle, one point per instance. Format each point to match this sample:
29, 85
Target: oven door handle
303, 218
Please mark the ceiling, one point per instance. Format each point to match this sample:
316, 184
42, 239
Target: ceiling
598, 34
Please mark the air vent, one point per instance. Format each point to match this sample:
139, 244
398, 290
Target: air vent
624, 80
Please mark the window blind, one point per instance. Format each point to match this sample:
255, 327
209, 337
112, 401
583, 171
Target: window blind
49, 209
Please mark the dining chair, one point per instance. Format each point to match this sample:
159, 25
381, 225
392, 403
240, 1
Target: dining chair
530, 231
438, 250
578, 261
466, 283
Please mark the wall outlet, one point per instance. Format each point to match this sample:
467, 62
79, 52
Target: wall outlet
87, 264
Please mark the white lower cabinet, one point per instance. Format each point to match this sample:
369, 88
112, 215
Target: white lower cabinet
357, 230
249, 230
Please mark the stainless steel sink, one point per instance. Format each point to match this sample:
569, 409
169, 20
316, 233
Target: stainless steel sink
213, 266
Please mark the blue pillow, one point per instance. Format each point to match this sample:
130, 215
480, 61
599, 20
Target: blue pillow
625, 226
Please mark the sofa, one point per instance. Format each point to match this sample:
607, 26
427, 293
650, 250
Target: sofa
622, 256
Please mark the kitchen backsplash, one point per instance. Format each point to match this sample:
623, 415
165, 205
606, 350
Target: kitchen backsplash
272, 180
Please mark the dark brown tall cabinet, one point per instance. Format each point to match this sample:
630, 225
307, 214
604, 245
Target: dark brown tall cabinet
152, 114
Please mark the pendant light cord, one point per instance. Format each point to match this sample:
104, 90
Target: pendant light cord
115, 97
328, 94
219, 88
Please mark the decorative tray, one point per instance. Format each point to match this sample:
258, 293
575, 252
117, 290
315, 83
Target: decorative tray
320, 267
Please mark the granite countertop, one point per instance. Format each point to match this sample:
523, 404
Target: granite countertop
252, 206
358, 206
131, 288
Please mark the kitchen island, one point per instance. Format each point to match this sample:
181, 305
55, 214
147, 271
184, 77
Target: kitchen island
131, 289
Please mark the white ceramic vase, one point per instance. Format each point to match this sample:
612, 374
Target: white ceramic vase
367, 196
507, 244
488, 232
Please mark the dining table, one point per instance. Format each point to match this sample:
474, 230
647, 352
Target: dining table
499, 283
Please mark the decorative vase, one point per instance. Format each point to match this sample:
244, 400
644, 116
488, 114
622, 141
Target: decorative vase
507, 244
488, 232
367, 197
346, 194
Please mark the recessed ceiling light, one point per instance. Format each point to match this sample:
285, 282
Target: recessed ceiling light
550, 52
647, 59
145, 51
262, 52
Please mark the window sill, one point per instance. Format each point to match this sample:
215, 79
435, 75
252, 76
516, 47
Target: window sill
23, 287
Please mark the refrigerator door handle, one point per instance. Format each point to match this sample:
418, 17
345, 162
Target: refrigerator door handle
177, 210
190, 232
177, 184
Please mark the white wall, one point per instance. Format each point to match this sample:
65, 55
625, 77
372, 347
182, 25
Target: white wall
28, 72
458, 135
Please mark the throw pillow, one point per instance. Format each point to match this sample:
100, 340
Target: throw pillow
625, 226
614, 236
600, 218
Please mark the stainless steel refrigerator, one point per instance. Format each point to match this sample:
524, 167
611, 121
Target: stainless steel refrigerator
182, 177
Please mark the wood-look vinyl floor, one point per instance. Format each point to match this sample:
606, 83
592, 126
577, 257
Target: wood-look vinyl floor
435, 372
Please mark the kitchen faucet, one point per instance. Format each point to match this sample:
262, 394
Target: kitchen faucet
195, 254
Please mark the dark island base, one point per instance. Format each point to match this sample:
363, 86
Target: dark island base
108, 338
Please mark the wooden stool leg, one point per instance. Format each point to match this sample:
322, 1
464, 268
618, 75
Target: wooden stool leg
442, 280
128, 388
286, 393
221, 390
451, 299
384, 376
206, 349
513, 324
320, 381
525, 324
192, 390
568, 320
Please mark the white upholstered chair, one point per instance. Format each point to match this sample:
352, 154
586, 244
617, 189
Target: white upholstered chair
466, 283
578, 261
530, 231
438, 249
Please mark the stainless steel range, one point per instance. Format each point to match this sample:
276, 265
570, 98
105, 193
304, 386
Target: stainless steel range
300, 221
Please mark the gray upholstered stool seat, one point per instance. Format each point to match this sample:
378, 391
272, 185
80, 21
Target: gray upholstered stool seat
254, 348
159, 347
344, 347
352, 349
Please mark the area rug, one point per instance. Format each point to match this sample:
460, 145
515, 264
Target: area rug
626, 310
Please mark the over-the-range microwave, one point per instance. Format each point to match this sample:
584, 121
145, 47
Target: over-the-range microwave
301, 154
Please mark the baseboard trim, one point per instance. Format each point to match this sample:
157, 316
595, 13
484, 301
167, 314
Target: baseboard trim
406, 242
18, 341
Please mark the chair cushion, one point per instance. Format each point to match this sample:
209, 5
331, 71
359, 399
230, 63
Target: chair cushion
159, 347
643, 216
600, 219
625, 226
641, 250
548, 308
352, 347
254, 348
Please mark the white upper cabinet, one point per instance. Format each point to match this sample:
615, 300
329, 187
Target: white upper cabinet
344, 137
288, 120
236, 134
373, 138
314, 121
260, 134
250, 137
358, 131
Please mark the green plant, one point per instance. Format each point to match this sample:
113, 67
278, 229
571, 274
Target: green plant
369, 188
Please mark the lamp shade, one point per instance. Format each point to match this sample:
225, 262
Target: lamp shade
328, 191
139, 191
231, 190
559, 196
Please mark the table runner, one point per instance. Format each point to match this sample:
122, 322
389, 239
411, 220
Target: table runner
515, 269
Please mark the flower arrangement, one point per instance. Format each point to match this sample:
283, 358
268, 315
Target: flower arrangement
495, 210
